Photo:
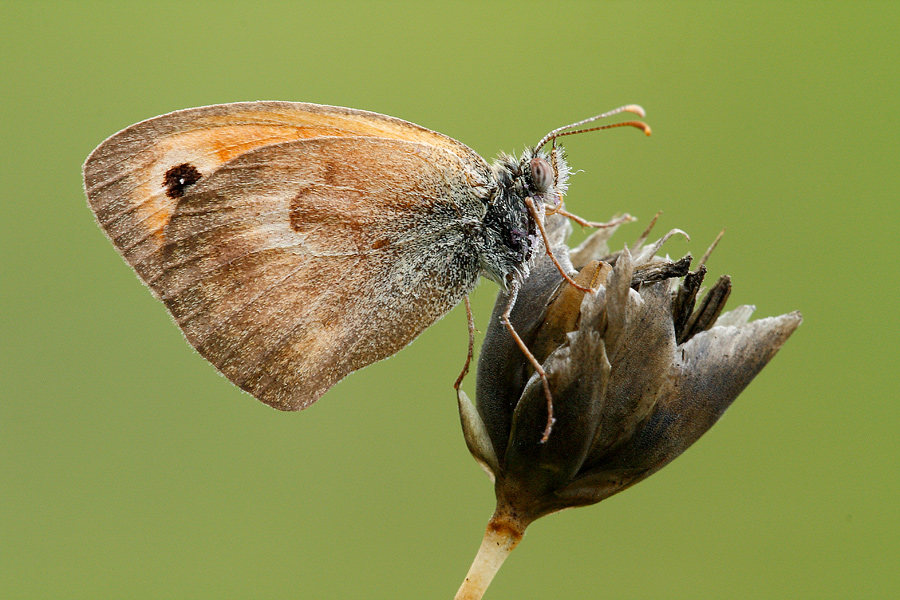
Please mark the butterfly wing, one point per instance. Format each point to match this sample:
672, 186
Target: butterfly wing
293, 263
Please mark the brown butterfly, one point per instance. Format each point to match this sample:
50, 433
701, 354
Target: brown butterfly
295, 243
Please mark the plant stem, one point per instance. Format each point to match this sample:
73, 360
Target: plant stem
499, 540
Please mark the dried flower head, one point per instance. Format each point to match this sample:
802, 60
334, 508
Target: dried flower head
638, 370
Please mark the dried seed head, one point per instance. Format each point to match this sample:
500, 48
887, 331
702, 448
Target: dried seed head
639, 370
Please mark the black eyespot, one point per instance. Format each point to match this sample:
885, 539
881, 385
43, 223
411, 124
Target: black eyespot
179, 177
542, 176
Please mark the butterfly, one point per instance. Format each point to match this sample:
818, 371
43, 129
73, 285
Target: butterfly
295, 243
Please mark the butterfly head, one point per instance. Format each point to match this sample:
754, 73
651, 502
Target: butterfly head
509, 229
539, 179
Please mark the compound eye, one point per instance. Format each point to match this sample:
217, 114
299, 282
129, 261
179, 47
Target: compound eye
541, 174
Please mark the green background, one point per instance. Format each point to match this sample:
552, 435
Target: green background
129, 469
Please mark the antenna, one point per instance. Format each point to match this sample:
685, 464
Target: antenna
630, 108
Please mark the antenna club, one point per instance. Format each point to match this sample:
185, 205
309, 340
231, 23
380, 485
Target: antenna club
635, 109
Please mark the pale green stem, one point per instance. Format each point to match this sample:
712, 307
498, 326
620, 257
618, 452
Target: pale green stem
499, 540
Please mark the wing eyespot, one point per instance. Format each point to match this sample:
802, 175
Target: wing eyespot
180, 177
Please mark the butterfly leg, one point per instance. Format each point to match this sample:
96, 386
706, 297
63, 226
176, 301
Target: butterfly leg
540, 223
504, 318
626, 218
465, 370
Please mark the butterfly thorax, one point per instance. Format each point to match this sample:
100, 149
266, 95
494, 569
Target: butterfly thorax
510, 233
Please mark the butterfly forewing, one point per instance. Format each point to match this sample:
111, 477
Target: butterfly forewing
291, 263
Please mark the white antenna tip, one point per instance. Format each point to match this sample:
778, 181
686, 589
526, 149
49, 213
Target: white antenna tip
636, 109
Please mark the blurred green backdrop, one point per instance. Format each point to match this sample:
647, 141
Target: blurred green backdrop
129, 469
